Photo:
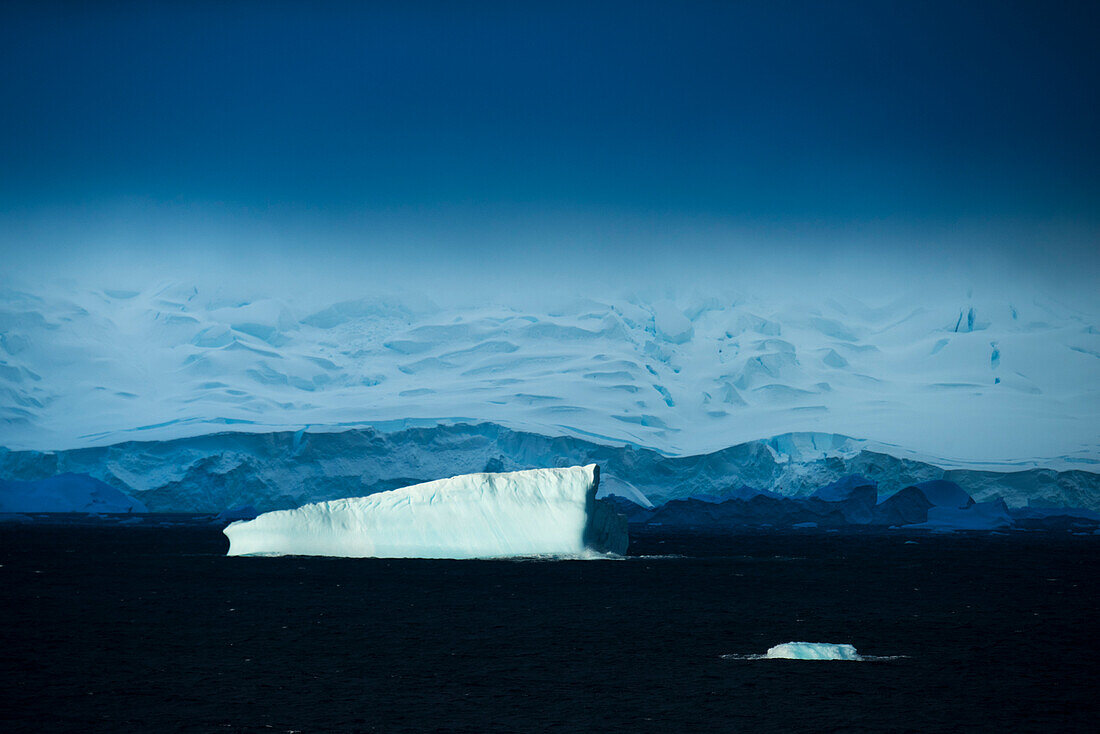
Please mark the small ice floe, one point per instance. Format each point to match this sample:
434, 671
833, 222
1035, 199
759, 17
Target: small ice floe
813, 651
810, 651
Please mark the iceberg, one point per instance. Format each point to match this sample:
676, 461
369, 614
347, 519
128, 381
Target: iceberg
241, 512
943, 493
67, 492
906, 507
852, 486
992, 515
486, 515
812, 651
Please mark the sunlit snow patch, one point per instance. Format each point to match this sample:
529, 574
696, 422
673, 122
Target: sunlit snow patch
539, 512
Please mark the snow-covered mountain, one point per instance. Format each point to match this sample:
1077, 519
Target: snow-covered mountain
272, 471
961, 382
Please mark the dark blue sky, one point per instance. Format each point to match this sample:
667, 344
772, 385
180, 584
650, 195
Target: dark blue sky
478, 128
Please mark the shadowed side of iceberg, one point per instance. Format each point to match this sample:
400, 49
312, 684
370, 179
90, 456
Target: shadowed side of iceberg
486, 515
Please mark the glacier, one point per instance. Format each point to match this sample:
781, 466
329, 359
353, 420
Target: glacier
487, 515
283, 470
997, 381
192, 399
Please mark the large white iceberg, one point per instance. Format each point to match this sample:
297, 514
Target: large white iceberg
523, 513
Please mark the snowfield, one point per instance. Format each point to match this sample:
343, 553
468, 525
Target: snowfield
527, 513
1000, 383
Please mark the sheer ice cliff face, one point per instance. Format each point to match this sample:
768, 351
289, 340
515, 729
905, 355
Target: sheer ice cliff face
526, 513
1006, 382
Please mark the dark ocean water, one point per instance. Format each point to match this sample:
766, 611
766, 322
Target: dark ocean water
153, 629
